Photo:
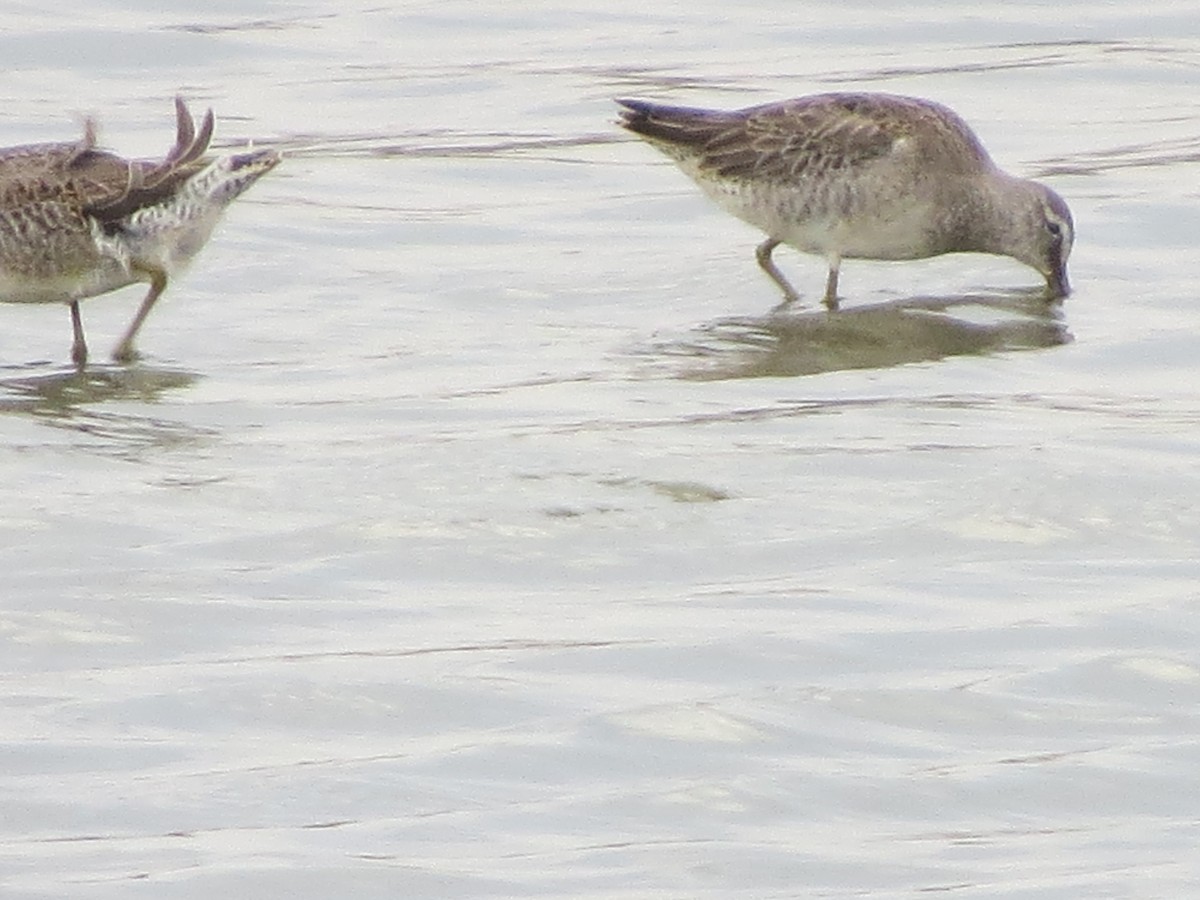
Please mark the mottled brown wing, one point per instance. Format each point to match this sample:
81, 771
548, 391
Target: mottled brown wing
29, 181
50, 173
96, 182
811, 136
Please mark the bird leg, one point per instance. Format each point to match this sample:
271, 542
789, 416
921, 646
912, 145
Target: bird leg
79, 345
831, 280
124, 351
763, 254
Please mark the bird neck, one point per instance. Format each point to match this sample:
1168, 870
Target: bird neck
990, 214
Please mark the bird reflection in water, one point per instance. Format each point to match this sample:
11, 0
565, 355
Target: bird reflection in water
75, 399
876, 336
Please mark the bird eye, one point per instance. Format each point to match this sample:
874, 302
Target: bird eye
1054, 228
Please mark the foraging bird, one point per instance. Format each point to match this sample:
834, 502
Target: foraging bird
861, 176
76, 221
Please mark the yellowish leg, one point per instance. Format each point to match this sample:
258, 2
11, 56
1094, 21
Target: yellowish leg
763, 253
125, 352
831, 280
79, 345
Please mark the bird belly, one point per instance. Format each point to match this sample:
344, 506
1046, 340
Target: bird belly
17, 287
888, 234
831, 220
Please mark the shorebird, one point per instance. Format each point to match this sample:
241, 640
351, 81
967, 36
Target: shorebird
76, 221
861, 176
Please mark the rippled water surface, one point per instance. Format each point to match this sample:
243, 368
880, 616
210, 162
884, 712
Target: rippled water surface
473, 528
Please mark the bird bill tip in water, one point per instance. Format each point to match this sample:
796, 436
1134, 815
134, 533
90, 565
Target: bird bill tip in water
1057, 284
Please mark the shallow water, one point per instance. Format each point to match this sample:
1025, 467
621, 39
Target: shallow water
473, 528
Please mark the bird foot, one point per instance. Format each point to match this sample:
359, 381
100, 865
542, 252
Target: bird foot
125, 353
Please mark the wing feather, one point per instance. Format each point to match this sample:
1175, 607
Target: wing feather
812, 136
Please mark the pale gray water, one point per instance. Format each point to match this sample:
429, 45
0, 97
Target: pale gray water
441, 547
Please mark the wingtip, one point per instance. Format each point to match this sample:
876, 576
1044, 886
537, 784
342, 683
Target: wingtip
206, 131
190, 144
86, 144
90, 130
185, 128
631, 111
